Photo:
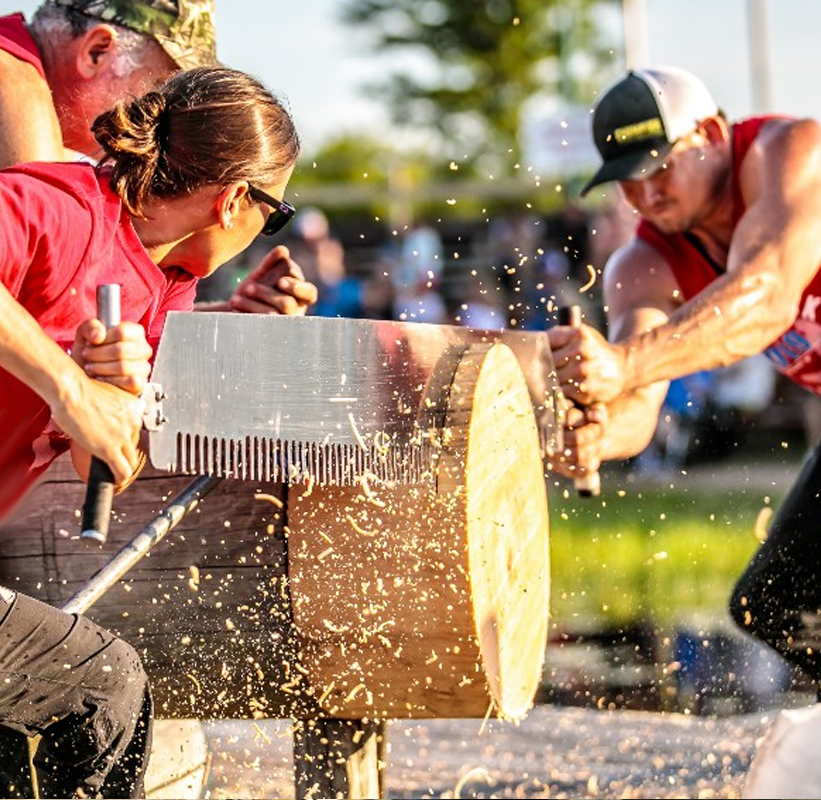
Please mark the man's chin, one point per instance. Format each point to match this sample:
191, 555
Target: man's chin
667, 224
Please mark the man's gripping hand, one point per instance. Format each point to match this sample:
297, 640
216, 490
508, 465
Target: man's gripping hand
589, 368
583, 432
276, 286
120, 355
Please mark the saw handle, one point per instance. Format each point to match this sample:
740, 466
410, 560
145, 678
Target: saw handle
100, 488
587, 485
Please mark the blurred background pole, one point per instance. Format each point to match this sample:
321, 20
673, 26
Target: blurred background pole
400, 185
634, 16
759, 55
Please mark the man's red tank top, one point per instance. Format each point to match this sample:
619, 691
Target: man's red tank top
797, 352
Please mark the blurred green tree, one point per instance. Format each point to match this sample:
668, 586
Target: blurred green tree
487, 60
375, 184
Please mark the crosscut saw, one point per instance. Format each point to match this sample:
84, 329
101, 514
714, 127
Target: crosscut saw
322, 399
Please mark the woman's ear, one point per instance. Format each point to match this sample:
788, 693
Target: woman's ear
97, 46
230, 202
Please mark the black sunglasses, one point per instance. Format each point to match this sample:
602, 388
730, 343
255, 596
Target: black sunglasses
281, 212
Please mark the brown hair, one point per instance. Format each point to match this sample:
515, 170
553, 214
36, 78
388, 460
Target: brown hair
203, 127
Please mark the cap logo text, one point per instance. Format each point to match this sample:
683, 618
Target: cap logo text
646, 129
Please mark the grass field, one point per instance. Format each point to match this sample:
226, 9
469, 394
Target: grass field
651, 554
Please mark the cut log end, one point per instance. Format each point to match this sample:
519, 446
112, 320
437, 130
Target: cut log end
414, 602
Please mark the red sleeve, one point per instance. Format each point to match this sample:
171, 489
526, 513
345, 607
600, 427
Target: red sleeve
179, 295
43, 237
16, 40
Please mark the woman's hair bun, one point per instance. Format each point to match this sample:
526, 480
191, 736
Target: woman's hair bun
204, 127
135, 128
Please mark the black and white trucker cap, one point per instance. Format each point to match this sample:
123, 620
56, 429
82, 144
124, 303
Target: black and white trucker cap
640, 117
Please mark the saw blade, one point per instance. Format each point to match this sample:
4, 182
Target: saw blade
326, 399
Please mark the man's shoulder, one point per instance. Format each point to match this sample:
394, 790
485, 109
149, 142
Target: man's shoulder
640, 272
639, 251
777, 141
18, 46
71, 177
67, 188
764, 127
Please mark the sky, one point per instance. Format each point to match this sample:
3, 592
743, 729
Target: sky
318, 65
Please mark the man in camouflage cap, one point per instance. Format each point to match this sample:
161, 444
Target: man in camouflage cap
183, 28
76, 58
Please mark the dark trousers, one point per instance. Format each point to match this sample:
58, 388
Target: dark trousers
778, 598
83, 690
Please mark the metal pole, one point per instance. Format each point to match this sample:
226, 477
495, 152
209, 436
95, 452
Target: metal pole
634, 17
759, 55
150, 535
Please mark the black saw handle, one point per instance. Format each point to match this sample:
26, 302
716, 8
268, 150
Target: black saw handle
100, 488
587, 485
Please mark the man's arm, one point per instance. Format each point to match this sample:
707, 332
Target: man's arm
276, 286
29, 129
640, 293
774, 253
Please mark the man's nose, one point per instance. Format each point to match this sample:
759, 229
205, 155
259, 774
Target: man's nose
650, 190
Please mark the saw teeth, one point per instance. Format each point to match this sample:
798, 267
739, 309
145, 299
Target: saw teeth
263, 459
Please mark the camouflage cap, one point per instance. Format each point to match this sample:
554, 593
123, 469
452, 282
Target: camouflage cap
183, 28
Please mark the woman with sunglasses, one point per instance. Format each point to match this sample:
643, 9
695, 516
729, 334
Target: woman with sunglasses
192, 174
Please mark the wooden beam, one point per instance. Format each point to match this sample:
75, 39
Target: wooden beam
336, 758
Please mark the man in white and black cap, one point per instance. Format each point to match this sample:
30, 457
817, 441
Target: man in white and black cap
724, 264
639, 120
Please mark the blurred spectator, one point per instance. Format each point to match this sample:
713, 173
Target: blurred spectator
511, 249
417, 275
569, 230
476, 304
707, 415
552, 283
220, 285
322, 256
610, 227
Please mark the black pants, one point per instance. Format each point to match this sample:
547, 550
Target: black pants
83, 690
778, 598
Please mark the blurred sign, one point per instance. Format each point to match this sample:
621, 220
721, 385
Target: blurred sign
560, 143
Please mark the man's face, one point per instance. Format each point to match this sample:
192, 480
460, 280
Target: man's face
112, 83
677, 193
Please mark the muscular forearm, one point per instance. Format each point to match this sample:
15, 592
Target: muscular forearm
736, 317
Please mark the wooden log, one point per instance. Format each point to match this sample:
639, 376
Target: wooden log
408, 601
180, 760
432, 600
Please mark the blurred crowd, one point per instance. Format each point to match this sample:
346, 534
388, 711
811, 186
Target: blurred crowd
510, 272
515, 271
